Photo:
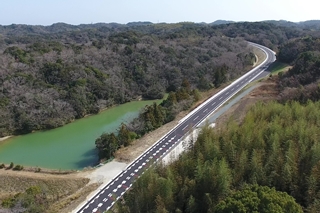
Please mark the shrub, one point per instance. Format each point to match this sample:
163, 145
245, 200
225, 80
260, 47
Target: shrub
11, 165
18, 168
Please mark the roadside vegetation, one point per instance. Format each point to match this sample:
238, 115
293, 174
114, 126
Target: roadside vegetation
150, 118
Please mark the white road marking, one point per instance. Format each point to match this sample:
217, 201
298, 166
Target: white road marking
227, 93
213, 104
196, 118
183, 128
220, 98
205, 110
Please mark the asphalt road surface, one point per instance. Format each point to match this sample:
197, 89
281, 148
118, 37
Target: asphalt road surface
109, 194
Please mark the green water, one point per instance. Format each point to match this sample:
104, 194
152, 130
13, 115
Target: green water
71, 146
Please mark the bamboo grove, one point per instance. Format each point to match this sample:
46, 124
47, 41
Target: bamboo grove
275, 146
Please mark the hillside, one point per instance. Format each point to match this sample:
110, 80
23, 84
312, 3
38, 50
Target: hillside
53, 75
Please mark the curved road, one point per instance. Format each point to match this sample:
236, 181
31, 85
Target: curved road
110, 193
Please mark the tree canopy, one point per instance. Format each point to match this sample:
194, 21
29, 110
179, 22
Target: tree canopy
262, 199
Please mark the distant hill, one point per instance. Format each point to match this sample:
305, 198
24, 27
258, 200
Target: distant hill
57, 28
311, 24
139, 23
282, 23
218, 22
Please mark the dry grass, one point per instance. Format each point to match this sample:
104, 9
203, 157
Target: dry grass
266, 90
259, 54
56, 187
71, 202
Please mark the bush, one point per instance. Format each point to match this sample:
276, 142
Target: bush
18, 168
11, 165
2, 166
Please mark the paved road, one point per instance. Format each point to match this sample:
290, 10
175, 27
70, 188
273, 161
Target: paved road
110, 193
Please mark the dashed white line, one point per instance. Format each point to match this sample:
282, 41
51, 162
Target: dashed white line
220, 98
184, 127
205, 110
213, 104
196, 118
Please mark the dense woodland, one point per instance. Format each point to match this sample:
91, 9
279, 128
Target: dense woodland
301, 83
53, 75
275, 146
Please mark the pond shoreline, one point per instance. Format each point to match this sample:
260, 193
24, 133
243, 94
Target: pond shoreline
74, 143
5, 138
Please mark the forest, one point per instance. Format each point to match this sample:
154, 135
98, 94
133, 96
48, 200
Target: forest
275, 147
50, 76
301, 82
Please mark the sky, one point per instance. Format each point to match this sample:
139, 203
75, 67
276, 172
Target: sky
47, 12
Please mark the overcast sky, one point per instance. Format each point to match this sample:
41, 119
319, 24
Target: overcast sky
47, 12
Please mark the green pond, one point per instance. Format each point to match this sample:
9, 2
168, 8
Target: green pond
71, 146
